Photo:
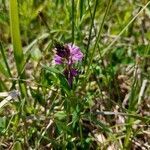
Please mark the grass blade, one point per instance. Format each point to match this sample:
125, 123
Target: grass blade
90, 31
17, 47
5, 60
81, 8
98, 37
72, 19
15, 35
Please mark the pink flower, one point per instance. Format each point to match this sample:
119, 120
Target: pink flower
75, 53
69, 54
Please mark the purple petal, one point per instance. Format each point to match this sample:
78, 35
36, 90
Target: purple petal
73, 72
75, 53
58, 59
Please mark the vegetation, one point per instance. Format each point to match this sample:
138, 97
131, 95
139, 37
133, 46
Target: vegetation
74, 74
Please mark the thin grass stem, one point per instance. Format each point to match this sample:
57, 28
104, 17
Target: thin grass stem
91, 27
5, 59
98, 38
15, 34
72, 19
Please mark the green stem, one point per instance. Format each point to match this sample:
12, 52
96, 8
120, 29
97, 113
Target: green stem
73, 5
91, 27
15, 35
81, 8
98, 38
16, 41
81, 134
132, 109
5, 60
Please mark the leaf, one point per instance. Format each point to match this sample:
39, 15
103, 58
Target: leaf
60, 115
63, 81
37, 95
62, 126
51, 69
3, 70
15, 35
36, 53
17, 146
5, 60
2, 123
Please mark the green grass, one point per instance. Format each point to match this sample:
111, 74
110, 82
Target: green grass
108, 103
15, 34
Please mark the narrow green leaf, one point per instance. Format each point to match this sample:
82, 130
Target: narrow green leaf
63, 81
73, 19
2, 123
15, 35
17, 146
81, 8
3, 70
5, 60
16, 41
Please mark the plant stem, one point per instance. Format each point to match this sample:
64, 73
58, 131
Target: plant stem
15, 35
91, 27
4, 58
81, 134
72, 19
98, 38
17, 47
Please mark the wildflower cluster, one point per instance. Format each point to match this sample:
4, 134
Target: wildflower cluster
68, 55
